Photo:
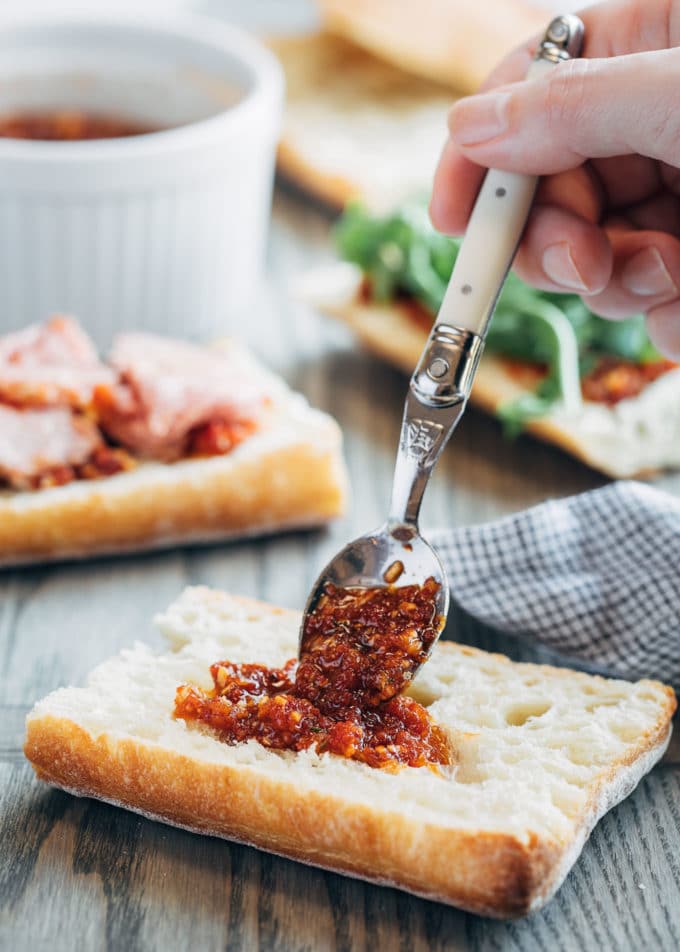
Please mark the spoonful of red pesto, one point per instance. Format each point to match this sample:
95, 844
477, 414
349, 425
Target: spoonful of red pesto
362, 645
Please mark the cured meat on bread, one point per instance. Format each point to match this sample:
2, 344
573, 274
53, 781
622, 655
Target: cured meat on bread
169, 443
168, 388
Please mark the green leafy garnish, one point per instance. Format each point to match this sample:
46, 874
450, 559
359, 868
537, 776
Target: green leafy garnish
402, 255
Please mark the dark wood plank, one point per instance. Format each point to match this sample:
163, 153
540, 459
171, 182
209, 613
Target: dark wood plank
12, 718
72, 869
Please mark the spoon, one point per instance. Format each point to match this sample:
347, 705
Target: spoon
441, 383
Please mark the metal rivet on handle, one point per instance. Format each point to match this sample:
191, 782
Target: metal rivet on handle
466, 289
438, 368
501, 192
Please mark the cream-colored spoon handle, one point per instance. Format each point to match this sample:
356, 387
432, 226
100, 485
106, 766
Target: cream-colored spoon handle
491, 238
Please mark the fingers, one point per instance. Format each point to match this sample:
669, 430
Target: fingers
563, 252
619, 273
577, 190
660, 213
580, 109
618, 103
618, 27
645, 275
627, 179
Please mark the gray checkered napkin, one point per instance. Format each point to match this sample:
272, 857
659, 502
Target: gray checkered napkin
595, 576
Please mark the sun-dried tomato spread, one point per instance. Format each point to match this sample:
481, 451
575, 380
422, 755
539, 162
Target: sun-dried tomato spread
219, 436
69, 125
104, 461
340, 699
614, 380
363, 646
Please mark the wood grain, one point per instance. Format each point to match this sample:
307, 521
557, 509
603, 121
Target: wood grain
76, 874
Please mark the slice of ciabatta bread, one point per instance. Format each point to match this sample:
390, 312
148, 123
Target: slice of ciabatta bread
636, 437
541, 754
289, 474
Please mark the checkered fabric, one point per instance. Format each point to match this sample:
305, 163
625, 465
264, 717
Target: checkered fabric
595, 576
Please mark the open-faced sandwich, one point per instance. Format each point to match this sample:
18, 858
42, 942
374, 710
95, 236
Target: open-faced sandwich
478, 787
367, 98
167, 442
596, 388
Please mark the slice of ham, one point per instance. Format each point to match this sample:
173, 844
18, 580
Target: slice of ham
32, 442
51, 364
169, 389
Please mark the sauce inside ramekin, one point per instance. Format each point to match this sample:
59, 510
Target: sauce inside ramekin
70, 125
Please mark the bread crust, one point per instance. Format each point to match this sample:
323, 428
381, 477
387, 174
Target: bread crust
489, 873
307, 826
389, 332
262, 486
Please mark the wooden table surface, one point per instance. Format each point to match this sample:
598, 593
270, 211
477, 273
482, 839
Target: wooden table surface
77, 874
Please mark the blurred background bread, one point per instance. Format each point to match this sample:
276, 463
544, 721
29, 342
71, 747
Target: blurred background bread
356, 127
457, 42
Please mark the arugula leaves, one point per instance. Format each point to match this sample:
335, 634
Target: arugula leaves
401, 253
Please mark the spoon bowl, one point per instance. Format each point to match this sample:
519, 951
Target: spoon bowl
394, 554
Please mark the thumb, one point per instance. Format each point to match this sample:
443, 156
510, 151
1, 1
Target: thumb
581, 109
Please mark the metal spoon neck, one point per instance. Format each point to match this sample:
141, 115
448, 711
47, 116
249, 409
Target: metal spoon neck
400, 530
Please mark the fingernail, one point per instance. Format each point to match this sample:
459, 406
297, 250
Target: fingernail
647, 275
479, 118
560, 267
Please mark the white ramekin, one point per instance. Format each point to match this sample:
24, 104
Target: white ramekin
164, 231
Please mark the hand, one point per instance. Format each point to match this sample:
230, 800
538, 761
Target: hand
605, 131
